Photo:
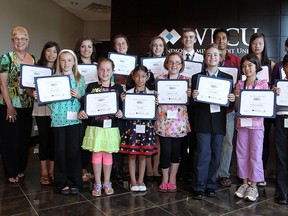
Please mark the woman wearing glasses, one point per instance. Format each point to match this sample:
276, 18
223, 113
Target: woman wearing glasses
15, 107
172, 125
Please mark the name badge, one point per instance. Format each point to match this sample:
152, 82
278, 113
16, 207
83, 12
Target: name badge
72, 115
285, 122
214, 108
246, 122
172, 114
140, 129
107, 123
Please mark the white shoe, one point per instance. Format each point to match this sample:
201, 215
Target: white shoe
134, 188
262, 184
142, 187
241, 191
251, 194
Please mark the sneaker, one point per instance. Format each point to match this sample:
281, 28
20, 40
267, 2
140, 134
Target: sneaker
251, 194
262, 184
241, 191
142, 187
134, 188
108, 190
97, 190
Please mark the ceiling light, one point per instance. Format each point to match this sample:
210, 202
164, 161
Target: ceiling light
74, 3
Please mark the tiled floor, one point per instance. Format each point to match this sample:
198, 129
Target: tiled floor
30, 198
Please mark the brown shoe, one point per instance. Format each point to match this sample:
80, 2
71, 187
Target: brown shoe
225, 181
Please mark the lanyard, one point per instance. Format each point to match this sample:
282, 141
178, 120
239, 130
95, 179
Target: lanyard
109, 88
135, 91
254, 84
176, 78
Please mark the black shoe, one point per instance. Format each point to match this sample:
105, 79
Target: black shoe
74, 191
198, 195
283, 199
210, 192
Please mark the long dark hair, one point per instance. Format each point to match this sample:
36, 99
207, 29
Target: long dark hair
150, 83
77, 49
43, 61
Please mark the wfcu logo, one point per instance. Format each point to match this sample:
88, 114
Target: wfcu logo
238, 44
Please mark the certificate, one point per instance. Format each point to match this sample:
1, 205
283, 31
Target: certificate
257, 103
139, 106
282, 73
53, 88
191, 68
282, 98
233, 71
172, 91
155, 65
262, 75
213, 90
101, 103
28, 72
89, 72
124, 64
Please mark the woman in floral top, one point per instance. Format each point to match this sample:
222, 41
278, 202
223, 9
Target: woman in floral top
172, 125
15, 107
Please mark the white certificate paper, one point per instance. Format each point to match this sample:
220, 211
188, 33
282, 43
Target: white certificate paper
282, 73
282, 98
101, 103
257, 103
53, 88
139, 106
89, 72
155, 65
213, 90
172, 91
233, 71
191, 68
28, 72
124, 64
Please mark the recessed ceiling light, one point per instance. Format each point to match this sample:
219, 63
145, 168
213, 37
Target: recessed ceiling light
74, 3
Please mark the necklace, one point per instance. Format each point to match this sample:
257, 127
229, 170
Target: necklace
21, 59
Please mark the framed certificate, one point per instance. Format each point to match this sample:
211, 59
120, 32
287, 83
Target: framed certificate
257, 103
101, 103
213, 90
263, 74
29, 72
89, 72
53, 88
155, 65
233, 71
124, 64
139, 106
282, 98
172, 91
191, 68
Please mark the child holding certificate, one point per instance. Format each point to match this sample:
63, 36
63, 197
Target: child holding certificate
102, 135
66, 128
250, 133
172, 125
139, 137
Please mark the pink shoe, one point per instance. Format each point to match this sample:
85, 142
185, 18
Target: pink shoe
163, 187
171, 188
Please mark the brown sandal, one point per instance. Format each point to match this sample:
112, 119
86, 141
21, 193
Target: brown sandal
45, 180
225, 181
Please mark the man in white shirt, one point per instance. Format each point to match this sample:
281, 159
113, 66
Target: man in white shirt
189, 39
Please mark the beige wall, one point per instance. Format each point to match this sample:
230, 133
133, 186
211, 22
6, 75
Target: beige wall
46, 21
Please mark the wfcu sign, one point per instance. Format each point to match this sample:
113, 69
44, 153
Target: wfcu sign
238, 44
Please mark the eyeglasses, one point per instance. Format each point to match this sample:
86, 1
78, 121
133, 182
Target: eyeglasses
174, 63
20, 39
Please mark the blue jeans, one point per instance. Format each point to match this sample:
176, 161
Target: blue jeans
227, 146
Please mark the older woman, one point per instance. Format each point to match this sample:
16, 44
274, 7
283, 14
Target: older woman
15, 107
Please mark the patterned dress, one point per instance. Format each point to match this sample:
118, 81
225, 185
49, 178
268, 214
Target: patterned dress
138, 143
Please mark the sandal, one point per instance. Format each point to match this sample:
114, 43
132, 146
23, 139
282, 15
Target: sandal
13, 180
171, 188
108, 190
163, 188
45, 180
97, 190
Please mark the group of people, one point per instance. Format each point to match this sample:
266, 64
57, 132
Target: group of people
70, 139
